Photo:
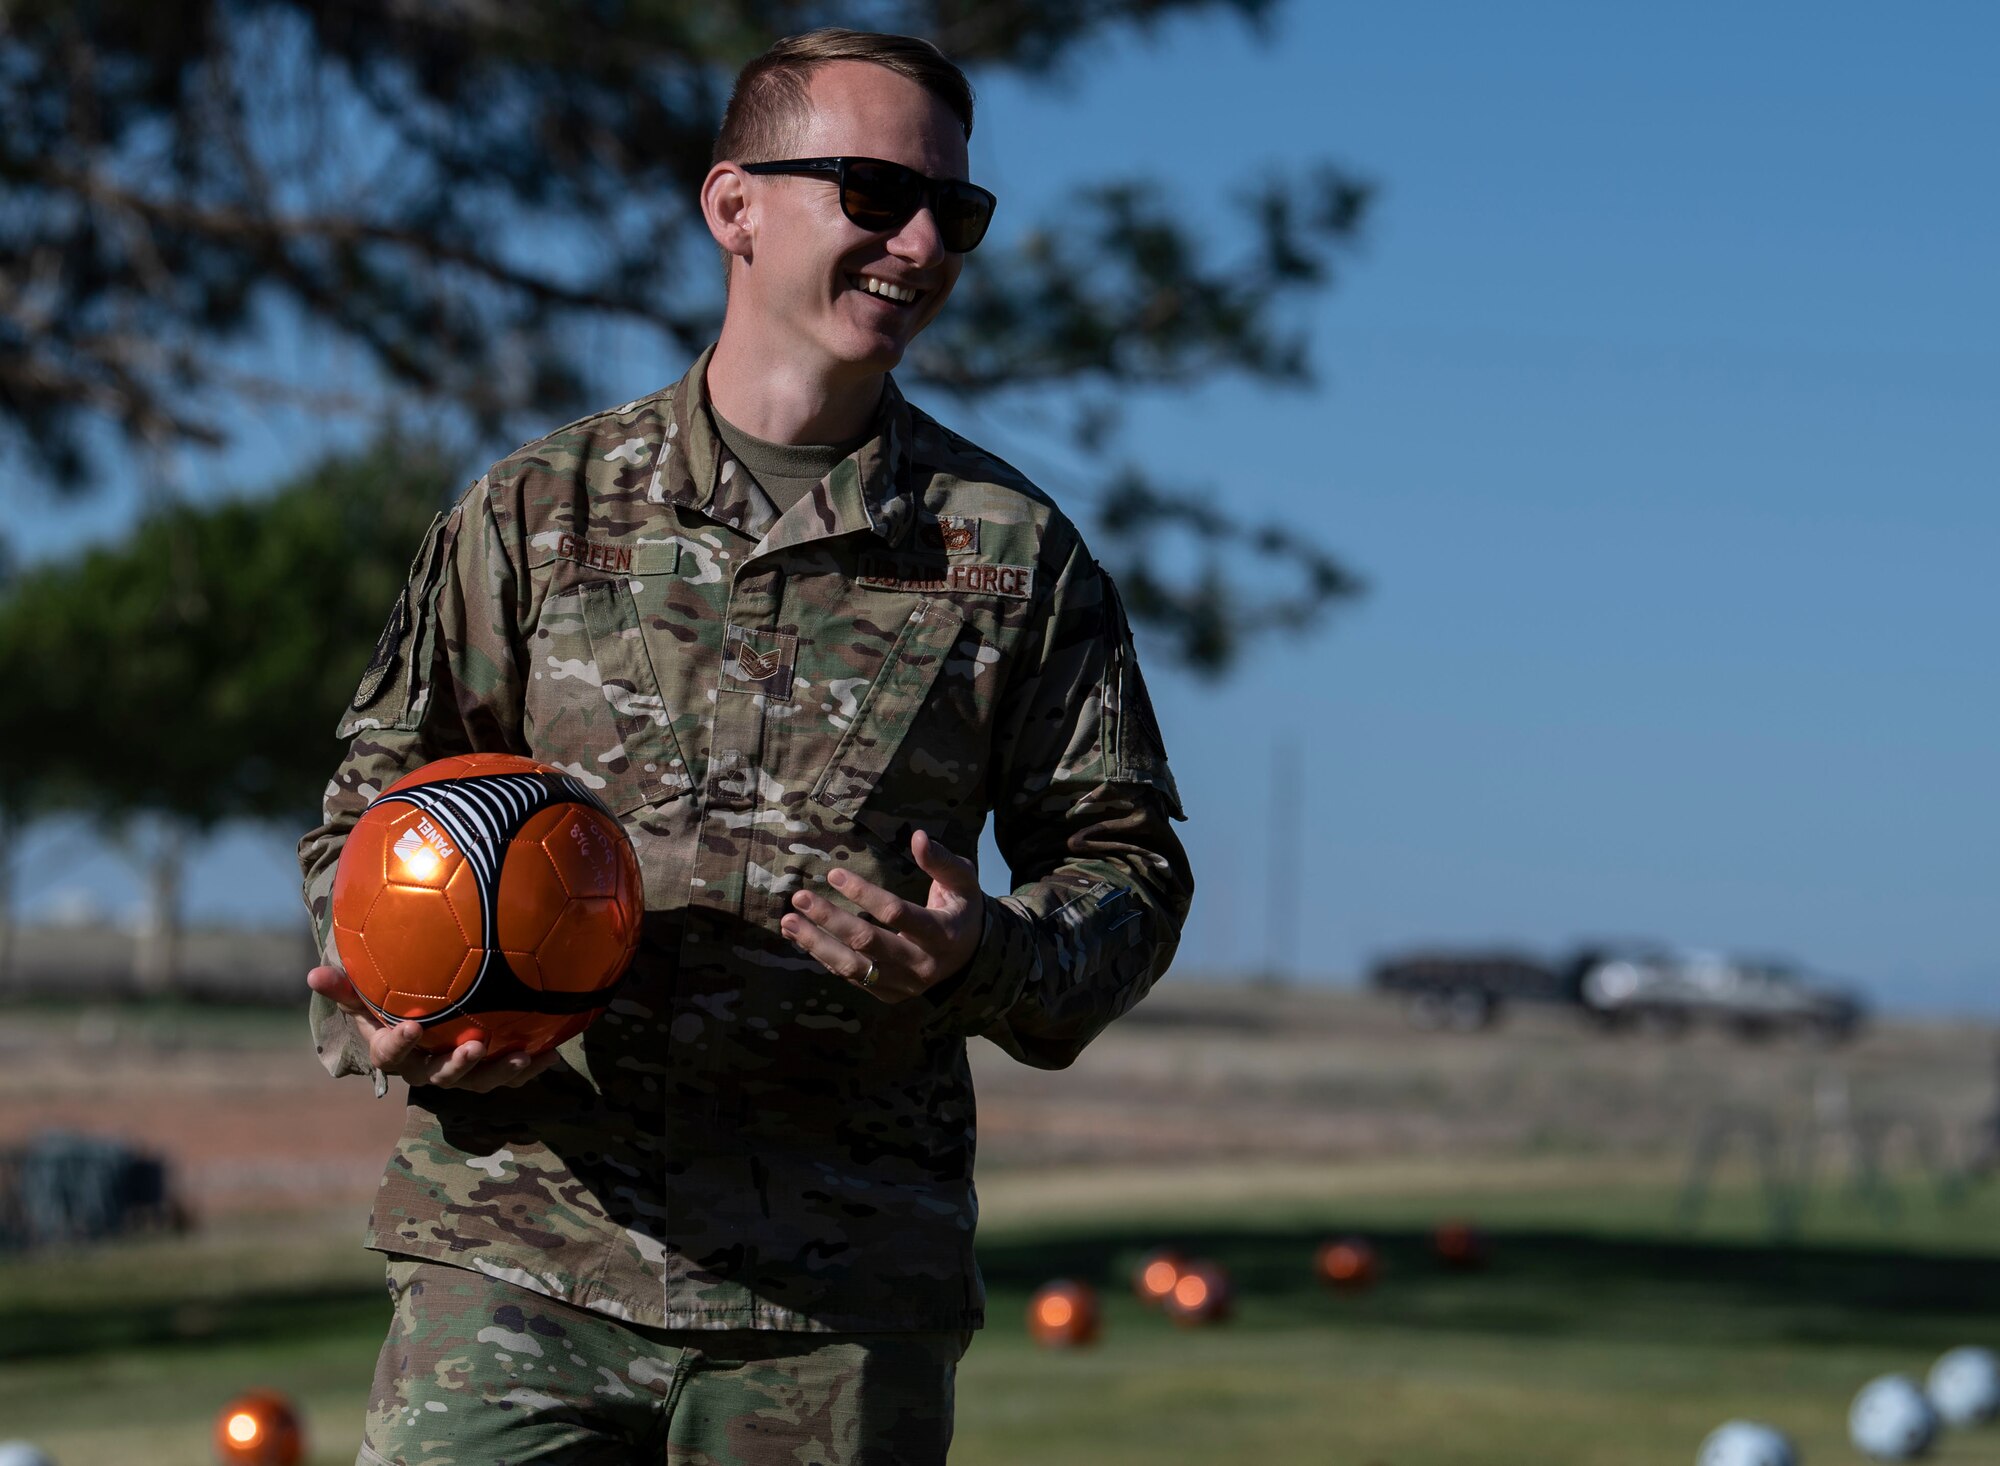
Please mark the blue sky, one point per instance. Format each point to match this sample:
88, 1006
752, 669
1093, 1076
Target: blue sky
1660, 413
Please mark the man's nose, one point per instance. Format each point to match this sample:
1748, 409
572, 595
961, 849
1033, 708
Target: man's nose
919, 240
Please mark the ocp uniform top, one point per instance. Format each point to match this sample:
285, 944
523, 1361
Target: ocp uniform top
743, 1140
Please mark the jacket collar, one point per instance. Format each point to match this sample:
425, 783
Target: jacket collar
869, 491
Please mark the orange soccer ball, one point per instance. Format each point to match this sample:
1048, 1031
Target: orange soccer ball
1460, 1245
488, 897
1064, 1315
1347, 1263
259, 1429
1201, 1295
1154, 1278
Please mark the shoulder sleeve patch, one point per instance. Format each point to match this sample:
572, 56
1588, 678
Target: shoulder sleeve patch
393, 666
388, 651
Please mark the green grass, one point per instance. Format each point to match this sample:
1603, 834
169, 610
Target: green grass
1569, 1347
1598, 1334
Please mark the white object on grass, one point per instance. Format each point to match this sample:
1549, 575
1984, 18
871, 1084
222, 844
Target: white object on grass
1746, 1443
1964, 1386
1891, 1419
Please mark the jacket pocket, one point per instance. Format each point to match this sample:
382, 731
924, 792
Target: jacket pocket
632, 748
889, 708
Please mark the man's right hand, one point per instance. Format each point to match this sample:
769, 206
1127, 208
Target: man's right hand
393, 1049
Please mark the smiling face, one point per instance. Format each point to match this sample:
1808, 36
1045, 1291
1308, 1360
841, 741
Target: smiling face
810, 282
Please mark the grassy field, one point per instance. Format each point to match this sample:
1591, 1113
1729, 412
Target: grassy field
1600, 1333
1246, 1125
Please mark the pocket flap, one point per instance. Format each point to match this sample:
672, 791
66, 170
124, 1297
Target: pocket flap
890, 706
644, 765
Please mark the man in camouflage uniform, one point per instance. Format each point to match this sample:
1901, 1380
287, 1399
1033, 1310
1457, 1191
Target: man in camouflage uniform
800, 639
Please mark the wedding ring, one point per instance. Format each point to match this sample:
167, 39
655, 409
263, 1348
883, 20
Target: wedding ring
867, 979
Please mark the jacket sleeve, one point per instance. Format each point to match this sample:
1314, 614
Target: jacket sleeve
444, 679
1083, 804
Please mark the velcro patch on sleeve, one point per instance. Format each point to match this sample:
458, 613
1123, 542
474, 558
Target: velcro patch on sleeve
956, 577
388, 651
411, 603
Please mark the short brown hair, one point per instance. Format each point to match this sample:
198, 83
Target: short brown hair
769, 101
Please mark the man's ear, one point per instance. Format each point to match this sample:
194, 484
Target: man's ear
725, 204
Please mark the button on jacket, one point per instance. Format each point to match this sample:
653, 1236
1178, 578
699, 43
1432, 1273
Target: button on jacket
742, 1139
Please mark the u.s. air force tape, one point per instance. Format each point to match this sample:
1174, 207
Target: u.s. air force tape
961, 577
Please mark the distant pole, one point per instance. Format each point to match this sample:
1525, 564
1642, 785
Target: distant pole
1282, 886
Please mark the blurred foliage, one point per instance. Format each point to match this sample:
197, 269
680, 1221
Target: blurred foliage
460, 190
195, 670
1208, 617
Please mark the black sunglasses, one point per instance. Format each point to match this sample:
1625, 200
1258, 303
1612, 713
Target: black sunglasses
879, 195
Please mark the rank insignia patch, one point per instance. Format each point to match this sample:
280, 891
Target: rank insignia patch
758, 661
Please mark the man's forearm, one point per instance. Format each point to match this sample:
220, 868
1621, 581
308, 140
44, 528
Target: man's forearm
1063, 956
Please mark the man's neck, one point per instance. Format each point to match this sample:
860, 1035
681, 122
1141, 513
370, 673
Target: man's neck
781, 401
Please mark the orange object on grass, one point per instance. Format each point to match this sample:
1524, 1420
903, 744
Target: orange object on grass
1347, 1263
1064, 1314
1460, 1245
259, 1429
1156, 1275
1201, 1295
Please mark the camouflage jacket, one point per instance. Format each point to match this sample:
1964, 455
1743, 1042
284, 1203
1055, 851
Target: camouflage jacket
743, 1140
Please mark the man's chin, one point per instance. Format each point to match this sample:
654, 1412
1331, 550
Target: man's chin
863, 355
870, 342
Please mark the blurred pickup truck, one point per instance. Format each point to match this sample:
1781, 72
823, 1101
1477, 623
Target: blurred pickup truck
1634, 985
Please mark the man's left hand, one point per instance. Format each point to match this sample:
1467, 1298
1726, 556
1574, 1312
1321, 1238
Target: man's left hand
906, 948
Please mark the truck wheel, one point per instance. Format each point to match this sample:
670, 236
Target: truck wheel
1424, 1009
1468, 1010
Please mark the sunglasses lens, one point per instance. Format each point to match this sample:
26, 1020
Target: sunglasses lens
963, 212
879, 196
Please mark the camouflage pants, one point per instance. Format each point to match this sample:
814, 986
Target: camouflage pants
477, 1372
